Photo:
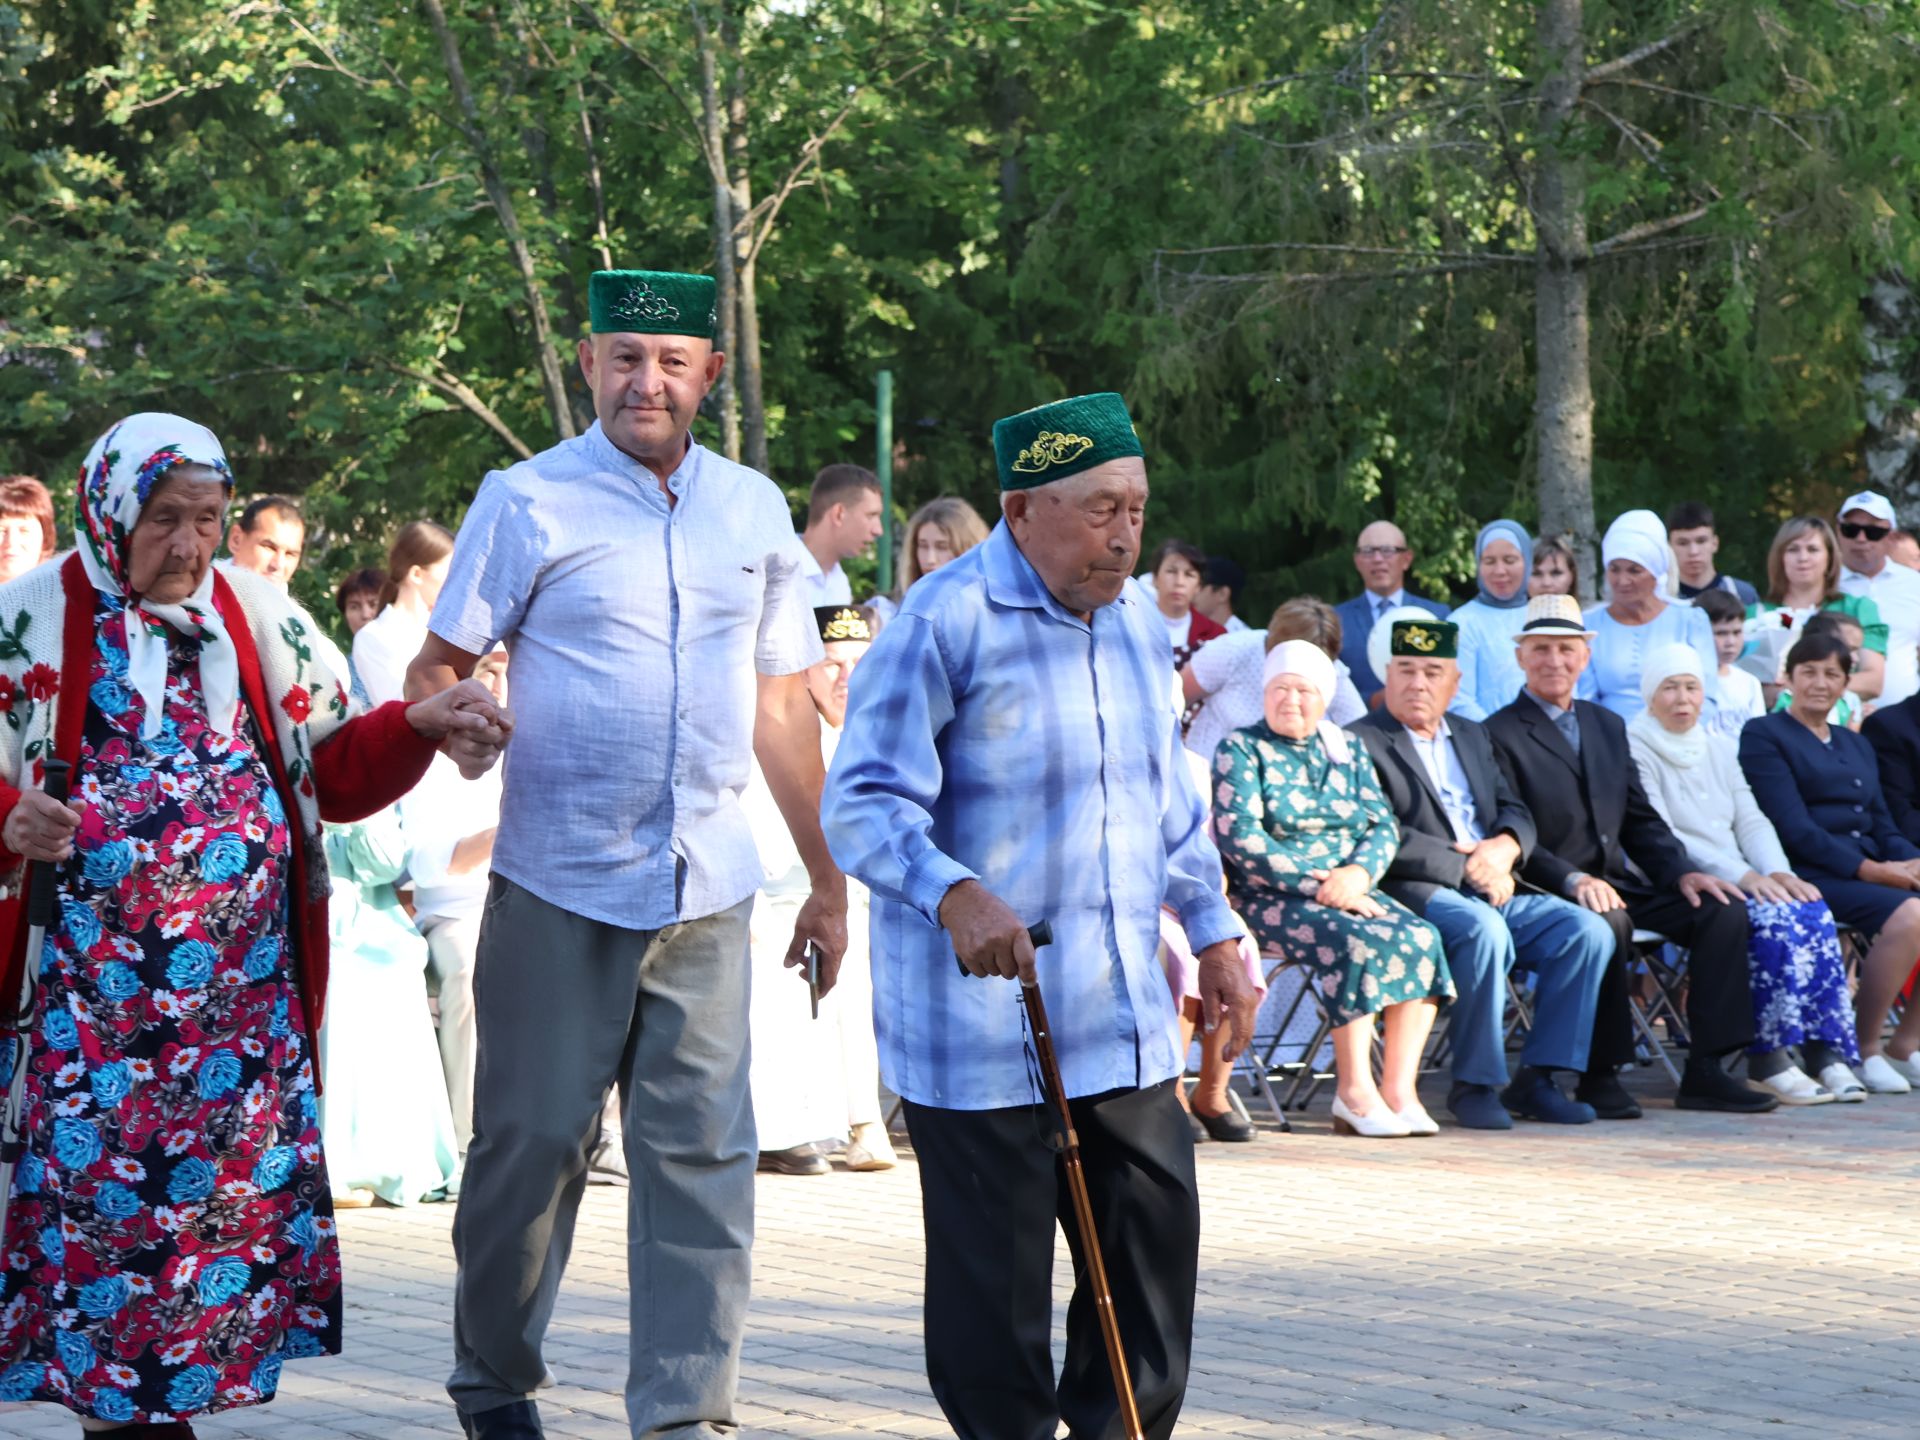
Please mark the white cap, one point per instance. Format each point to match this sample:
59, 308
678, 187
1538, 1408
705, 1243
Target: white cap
1874, 504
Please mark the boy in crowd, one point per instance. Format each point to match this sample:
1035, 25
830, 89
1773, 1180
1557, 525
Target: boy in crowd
1695, 542
1741, 697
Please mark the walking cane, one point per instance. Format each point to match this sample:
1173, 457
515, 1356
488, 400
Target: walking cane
1042, 936
40, 900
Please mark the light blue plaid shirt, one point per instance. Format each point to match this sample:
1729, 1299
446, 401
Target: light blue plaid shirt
991, 735
634, 632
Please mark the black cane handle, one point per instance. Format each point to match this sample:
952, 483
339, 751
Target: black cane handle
41, 897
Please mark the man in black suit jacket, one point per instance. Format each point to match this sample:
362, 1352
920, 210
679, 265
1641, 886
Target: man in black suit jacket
1894, 733
1568, 760
1462, 833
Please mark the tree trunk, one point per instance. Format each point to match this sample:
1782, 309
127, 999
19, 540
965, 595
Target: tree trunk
1891, 386
1563, 394
552, 378
753, 407
713, 134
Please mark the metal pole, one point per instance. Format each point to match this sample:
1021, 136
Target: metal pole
883, 467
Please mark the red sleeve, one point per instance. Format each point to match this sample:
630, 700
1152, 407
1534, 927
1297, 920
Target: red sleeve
9, 797
369, 763
1203, 629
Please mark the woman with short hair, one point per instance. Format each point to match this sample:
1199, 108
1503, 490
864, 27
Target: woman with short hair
1803, 579
27, 533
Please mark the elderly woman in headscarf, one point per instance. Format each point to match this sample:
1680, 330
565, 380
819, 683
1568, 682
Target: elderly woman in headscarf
1490, 622
1639, 616
1799, 979
1306, 834
169, 1235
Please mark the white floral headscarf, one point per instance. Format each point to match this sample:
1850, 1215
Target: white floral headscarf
116, 481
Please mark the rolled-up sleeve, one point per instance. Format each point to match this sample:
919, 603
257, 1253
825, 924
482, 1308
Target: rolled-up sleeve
1194, 884
877, 809
496, 563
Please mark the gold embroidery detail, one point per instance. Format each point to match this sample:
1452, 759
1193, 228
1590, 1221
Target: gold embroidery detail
1051, 448
1420, 638
847, 625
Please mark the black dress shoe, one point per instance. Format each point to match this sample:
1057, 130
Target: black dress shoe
800, 1160
517, 1421
1609, 1098
1476, 1107
1229, 1125
1705, 1086
1534, 1095
1195, 1124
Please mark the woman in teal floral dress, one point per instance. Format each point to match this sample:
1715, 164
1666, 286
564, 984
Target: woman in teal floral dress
1306, 835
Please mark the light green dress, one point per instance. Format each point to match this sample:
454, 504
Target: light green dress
384, 1116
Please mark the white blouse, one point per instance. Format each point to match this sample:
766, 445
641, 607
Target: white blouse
1711, 810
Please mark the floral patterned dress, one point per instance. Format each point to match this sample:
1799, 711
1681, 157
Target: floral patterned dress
171, 1240
1283, 808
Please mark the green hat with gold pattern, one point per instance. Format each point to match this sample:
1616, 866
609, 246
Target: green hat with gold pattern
652, 302
1426, 639
1051, 442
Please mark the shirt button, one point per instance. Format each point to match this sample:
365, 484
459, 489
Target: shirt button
1854, 833
1856, 809
1856, 782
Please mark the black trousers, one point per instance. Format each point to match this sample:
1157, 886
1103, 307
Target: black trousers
992, 1185
1719, 996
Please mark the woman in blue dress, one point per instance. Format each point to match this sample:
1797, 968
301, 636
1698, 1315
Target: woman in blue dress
1637, 619
1489, 623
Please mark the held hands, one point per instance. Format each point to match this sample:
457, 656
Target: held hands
1697, 883
1347, 887
1490, 866
471, 726
988, 937
1226, 994
41, 829
822, 921
1598, 896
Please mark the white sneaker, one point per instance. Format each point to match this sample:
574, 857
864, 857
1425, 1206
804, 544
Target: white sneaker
1793, 1086
1881, 1078
1909, 1067
1844, 1084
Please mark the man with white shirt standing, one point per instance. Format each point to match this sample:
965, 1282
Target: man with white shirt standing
843, 519
1867, 528
1383, 557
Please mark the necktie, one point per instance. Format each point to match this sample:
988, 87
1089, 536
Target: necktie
1569, 728
1380, 607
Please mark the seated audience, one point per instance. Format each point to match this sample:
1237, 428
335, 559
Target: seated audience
1489, 673
1894, 733
28, 536
1849, 711
1601, 843
1794, 966
1554, 572
1305, 835
1383, 557
1742, 697
383, 1114
1220, 586
417, 564
1820, 787
1463, 834
1696, 545
1176, 580
1637, 618
1226, 676
1866, 527
1803, 578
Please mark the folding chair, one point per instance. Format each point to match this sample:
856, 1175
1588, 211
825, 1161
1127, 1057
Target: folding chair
1665, 972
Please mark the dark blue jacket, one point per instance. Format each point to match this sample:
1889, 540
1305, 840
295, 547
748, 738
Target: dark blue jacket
1894, 733
1825, 804
1356, 624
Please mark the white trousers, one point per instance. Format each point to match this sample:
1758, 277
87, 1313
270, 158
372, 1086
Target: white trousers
451, 948
811, 1079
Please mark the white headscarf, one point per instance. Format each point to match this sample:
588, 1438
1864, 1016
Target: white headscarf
1639, 536
1662, 664
116, 480
1315, 666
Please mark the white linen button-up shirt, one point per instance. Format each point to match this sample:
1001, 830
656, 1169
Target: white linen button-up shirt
1896, 590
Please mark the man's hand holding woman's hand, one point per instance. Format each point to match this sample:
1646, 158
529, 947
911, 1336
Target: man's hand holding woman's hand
471, 726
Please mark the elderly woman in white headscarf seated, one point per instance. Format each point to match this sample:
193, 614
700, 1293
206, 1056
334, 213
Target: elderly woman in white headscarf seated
1799, 980
1639, 616
1306, 835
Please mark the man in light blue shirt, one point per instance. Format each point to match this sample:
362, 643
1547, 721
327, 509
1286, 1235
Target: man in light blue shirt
649, 597
1012, 754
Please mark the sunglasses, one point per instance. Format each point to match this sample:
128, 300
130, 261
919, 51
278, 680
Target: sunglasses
1865, 532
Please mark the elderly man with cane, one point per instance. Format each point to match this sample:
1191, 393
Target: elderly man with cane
1012, 756
648, 592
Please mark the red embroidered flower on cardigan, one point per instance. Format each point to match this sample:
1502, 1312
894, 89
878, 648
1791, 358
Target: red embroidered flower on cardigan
41, 682
297, 703
6, 693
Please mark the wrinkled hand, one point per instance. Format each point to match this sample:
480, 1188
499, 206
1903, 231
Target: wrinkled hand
822, 921
1697, 883
1796, 888
988, 937
1348, 888
1598, 896
40, 828
1489, 867
1226, 993
470, 725
1765, 888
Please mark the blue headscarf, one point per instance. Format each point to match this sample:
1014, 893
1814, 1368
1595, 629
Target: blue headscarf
1515, 532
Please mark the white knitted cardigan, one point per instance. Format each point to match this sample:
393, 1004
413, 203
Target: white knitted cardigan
304, 673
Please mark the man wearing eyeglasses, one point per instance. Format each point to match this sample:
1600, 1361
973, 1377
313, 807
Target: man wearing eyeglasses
1867, 527
1382, 556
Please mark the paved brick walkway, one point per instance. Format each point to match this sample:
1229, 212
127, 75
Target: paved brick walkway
1685, 1276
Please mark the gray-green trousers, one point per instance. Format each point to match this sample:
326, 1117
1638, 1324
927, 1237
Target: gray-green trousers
565, 1008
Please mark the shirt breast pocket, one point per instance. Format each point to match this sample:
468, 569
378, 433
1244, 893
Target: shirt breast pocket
727, 582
